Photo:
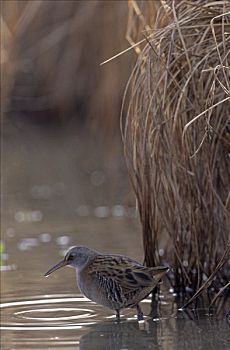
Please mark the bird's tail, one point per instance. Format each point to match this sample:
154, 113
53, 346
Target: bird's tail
158, 272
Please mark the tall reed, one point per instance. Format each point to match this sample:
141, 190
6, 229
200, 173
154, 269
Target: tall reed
176, 135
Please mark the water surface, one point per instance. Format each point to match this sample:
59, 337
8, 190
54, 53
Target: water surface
51, 313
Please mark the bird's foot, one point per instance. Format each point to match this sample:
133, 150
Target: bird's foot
118, 315
140, 315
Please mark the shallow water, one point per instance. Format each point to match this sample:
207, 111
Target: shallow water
50, 313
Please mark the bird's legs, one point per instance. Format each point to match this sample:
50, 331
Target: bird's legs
139, 313
118, 315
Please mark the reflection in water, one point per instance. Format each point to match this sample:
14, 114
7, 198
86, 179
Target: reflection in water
116, 336
172, 333
74, 322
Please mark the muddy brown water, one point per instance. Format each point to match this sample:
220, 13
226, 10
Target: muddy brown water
58, 193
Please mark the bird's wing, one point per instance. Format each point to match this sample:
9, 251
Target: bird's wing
125, 273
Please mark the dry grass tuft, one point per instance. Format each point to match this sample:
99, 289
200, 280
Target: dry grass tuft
177, 145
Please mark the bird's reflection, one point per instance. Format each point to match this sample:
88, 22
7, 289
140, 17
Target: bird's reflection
110, 335
186, 330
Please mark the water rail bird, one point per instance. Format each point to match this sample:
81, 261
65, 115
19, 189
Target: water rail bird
114, 281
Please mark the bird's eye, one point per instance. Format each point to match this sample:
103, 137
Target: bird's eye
71, 257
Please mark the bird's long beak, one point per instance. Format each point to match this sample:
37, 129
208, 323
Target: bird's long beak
56, 267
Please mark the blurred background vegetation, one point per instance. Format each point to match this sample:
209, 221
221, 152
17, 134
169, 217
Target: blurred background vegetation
61, 109
52, 52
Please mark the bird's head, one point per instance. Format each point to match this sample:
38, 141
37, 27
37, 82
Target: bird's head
77, 257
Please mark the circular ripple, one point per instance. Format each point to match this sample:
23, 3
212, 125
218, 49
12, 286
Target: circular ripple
49, 312
26, 314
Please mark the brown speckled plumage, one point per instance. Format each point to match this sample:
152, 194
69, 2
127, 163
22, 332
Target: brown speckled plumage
114, 281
